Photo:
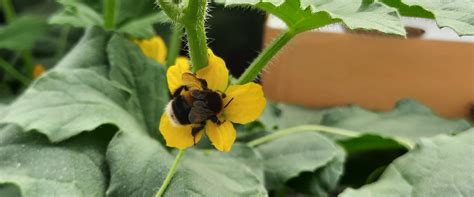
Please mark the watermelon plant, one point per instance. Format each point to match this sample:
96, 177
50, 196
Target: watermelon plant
123, 114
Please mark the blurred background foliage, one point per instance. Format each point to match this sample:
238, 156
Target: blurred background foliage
235, 34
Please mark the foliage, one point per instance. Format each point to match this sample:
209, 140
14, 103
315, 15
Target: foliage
89, 126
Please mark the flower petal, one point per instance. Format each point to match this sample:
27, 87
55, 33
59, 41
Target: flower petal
175, 73
154, 48
222, 136
177, 136
247, 103
215, 73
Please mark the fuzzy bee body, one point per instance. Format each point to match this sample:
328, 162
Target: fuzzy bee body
194, 103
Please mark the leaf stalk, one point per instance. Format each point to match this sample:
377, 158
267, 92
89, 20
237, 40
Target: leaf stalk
263, 58
170, 175
325, 129
175, 45
109, 13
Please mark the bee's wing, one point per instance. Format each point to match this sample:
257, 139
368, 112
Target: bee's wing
191, 81
199, 112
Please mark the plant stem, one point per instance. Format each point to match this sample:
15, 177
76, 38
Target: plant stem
9, 11
109, 14
262, 60
193, 21
175, 45
13, 72
168, 178
171, 9
332, 130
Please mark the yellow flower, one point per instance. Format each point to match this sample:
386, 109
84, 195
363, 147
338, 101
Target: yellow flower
38, 71
154, 48
245, 104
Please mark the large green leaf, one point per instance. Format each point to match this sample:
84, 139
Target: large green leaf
77, 14
82, 93
302, 15
456, 14
65, 103
30, 164
376, 130
439, 166
286, 157
409, 119
139, 165
143, 76
22, 33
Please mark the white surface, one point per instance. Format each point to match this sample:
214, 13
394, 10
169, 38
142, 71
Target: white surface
432, 32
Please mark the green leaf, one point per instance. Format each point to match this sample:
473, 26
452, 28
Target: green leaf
369, 142
406, 10
22, 33
143, 76
142, 27
321, 181
439, 166
378, 130
77, 14
303, 15
286, 157
139, 165
135, 18
65, 103
89, 53
294, 115
409, 119
29, 164
82, 93
456, 14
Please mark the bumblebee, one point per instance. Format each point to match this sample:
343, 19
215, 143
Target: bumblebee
194, 103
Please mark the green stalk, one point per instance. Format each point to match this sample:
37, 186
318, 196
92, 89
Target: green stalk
170, 175
171, 9
262, 60
109, 14
9, 11
192, 17
13, 72
193, 20
175, 45
332, 130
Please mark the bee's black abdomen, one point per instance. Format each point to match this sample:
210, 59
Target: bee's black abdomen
181, 110
214, 102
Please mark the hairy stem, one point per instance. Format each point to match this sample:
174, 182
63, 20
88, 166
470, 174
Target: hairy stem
175, 45
332, 130
109, 14
262, 60
193, 21
8, 68
171, 9
170, 175
8, 11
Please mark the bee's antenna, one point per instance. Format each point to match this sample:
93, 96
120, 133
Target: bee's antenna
228, 103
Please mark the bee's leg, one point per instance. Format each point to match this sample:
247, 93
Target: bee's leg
196, 130
216, 120
203, 84
178, 91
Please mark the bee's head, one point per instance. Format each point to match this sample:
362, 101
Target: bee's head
171, 115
